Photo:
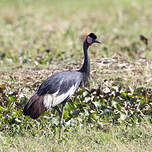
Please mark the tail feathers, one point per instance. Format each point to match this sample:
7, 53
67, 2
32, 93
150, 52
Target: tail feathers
34, 107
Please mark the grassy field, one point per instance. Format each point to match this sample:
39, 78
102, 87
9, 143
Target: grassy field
113, 139
38, 38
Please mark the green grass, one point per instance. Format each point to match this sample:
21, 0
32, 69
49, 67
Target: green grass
112, 139
29, 28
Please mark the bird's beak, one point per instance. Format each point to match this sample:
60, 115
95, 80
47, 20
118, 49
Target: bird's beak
96, 41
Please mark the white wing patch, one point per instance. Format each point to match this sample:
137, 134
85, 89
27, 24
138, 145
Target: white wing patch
48, 100
51, 100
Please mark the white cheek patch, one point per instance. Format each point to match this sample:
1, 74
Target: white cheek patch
51, 100
89, 40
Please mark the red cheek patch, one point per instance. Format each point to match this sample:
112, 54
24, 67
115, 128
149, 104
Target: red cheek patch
89, 40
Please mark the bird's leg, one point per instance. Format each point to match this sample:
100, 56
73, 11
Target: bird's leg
61, 119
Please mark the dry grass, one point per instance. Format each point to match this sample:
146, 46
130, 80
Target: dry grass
29, 29
132, 74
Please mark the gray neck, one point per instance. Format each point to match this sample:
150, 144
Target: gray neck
85, 69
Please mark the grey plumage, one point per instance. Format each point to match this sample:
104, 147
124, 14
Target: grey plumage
58, 88
62, 81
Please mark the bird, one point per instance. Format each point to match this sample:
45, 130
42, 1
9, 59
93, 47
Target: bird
60, 87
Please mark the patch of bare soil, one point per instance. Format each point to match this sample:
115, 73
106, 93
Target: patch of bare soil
132, 74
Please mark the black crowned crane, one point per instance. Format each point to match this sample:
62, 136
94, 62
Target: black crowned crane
59, 88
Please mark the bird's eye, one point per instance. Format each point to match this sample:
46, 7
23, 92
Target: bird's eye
89, 40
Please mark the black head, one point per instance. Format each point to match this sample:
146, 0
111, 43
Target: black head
91, 38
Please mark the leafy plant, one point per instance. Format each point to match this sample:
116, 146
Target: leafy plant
113, 104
